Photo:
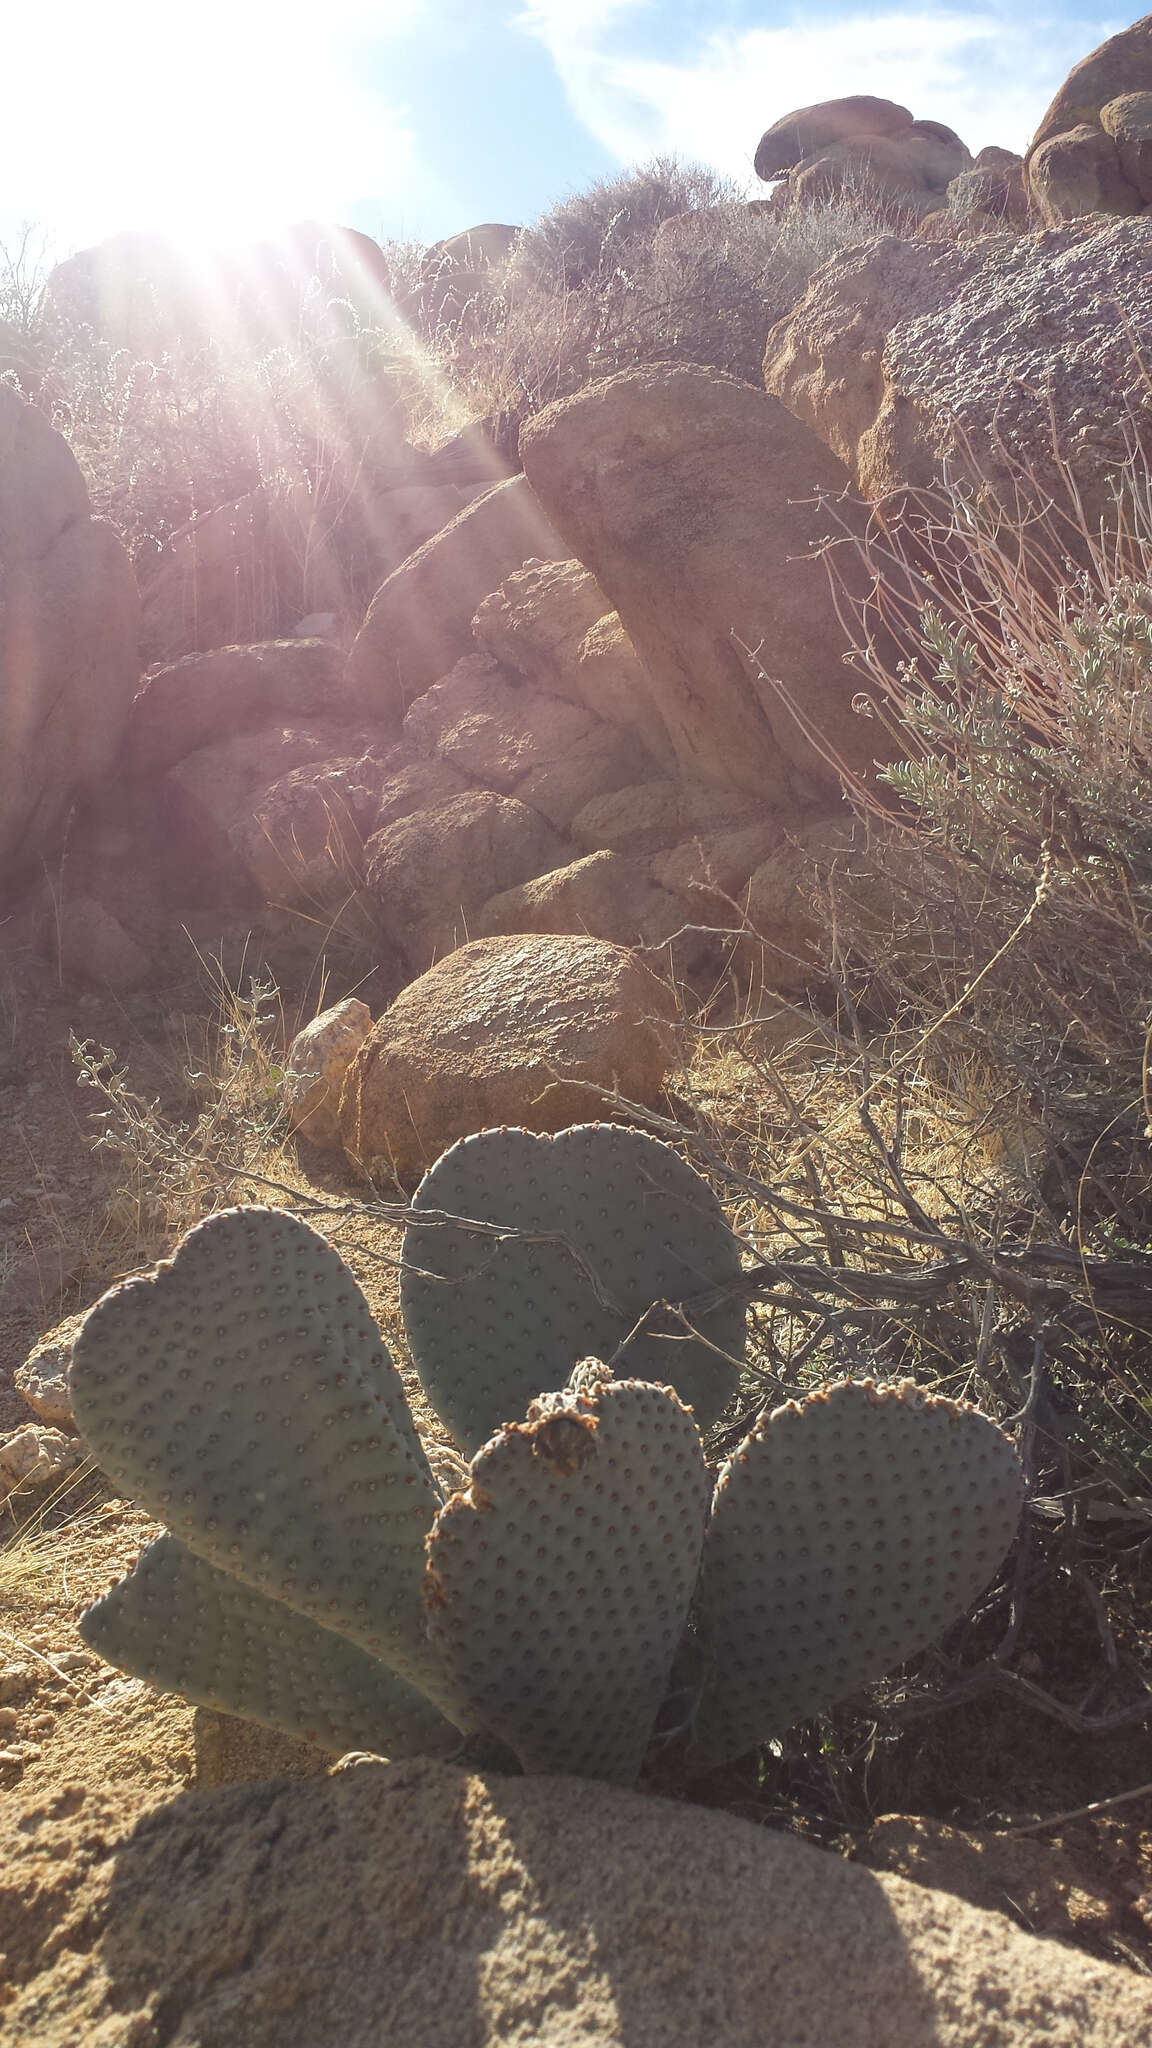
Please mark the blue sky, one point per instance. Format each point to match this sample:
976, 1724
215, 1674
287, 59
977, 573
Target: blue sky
415, 118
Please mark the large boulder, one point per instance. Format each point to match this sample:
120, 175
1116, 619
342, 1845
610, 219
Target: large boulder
537, 1031
201, 699
678, 487
428, 873
419, 623
1091, 152
69, 640
862, 141
907, 357
426, 1903
303, 843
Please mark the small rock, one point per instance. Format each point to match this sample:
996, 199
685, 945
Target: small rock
43, 1377
318, 1059
16, 1680
37, 1455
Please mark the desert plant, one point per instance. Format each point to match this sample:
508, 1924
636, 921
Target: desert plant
589, 1579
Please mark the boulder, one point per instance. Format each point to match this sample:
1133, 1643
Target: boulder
1128, 121
201, 699
811, 130
304, 842
709, 873
906, 356
414, 785
1078, 172
318, 1059
609, 758
637, 819
486, 247
42, 1380
429, 873
490, 730
520, 1030
678, 487
994, 192
36, 1456
537, 619
605, 895
426, 1903
69, 632
861, 141
653, 815
550, 622
1078, 161
419, 623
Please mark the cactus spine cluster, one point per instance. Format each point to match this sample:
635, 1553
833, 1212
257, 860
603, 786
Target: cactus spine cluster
312, 1576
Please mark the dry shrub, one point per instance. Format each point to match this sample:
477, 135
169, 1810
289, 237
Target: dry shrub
666, 264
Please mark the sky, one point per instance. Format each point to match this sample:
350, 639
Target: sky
412, 119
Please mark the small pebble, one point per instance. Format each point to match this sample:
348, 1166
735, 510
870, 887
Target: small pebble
9, 1719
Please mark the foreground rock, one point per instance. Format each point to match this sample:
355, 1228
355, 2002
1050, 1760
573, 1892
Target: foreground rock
906, 356
677, 487
518, 1030
419, 1903
318, 1059
69, 658
1092, 152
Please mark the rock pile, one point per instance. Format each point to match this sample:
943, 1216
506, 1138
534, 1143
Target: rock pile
862, 141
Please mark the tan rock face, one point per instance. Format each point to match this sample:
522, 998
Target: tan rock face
811, 130
201, 699
518, 1030
419, 623
1120, 68
482, 1911
318, 1060
43, 1377
903, 355
677, 486
69, 633
491, 731
429, 873
1128, 121
536, 620
303, 844
605, 895
1078, 162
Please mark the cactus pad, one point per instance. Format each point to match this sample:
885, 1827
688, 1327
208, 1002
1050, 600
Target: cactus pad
603, 1222
559, 1583
847, 1532
188, 1628
242, 1393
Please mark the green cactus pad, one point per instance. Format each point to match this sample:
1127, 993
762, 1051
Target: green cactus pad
243, 1394
847, 1532
559, 1583
605, 1221
188, 1628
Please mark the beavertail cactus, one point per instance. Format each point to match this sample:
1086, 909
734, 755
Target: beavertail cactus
312, 1576
189, 1628
848, 1531
582, 1240
575, 1551
244, 1395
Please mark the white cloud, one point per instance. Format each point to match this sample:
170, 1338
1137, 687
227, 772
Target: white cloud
988, 77
219, 121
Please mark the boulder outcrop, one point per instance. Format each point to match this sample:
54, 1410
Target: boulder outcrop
906, 356
862, 141
679, 487
428, 874
1092, 152
69, 640
528, 1030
